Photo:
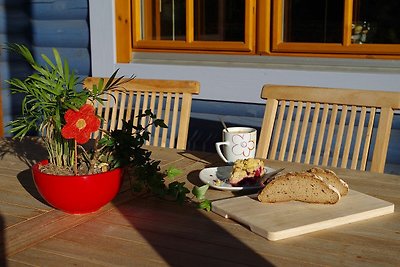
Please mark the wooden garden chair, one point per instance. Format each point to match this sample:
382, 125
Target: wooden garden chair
169, 100
328, 127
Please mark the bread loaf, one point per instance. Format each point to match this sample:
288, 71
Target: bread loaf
300, 186
331, 178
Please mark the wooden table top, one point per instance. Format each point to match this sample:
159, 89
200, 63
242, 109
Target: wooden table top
137, 231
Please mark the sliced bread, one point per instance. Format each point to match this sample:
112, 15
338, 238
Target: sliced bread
331, 178
299, 186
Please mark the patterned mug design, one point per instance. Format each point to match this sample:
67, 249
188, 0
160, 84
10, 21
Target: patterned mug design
243, 145
240, 143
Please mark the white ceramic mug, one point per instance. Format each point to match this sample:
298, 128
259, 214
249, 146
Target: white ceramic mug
238, 143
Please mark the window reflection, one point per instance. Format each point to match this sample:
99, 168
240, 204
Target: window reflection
382, 19
164, 20
319, 21
219, 20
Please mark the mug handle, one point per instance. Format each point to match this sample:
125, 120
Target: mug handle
218, 148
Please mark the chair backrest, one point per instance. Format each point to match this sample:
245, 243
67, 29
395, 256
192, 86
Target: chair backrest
169, 100
326, 126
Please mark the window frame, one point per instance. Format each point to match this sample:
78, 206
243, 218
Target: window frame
190, 44
261, 38
346, 47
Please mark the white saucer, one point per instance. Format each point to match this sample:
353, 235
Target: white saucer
217, 178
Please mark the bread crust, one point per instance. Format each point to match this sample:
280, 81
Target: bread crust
299, 186
331, 178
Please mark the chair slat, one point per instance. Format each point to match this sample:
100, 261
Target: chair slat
122, 109
153, 98
114, 110
156, 135
145, 106
313, 130
329, 138
382, 139
349, 135
267, 128
304, 127
166, 120
174, 120
339, 136
128, 113
137, 107
321, 134
99, 113
359, 138
368, 139
295, 130
184, 117
107, 108
282, 107
287, 130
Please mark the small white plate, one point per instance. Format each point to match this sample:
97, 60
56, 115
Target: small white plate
217, 177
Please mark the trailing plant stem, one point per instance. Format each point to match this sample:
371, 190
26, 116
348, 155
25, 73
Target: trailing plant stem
62, 152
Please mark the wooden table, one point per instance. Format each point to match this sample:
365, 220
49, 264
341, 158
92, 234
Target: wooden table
136, 231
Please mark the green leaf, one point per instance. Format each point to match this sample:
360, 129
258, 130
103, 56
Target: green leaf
57, 57
48, 61
67, 73
200, 192
172, 172
160, 123
23, 51
205, 205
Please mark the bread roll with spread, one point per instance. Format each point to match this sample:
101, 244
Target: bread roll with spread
246, 172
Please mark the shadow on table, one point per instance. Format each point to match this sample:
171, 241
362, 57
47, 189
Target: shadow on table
183, 235
28, 150
25, 178
2, 243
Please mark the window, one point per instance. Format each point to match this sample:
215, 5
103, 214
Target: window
217, 25
338, 28
358, 27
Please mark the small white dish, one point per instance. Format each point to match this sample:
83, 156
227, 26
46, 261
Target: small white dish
217, 177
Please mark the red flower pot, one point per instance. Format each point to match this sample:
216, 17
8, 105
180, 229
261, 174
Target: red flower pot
77, 194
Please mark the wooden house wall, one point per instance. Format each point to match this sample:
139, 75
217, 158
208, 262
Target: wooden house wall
42, 25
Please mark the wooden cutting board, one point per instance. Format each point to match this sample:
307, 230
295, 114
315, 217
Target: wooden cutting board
276, 221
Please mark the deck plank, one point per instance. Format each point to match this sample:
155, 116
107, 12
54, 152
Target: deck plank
18, 211
23, 199
38, 257
21, 236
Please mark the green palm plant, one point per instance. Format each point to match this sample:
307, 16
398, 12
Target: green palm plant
53, 91
48, 93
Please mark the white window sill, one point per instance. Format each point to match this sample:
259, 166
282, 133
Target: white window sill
271, 62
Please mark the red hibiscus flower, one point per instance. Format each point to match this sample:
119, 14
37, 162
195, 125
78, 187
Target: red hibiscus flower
80, 124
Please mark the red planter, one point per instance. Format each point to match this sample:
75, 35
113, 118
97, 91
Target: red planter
77, 194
